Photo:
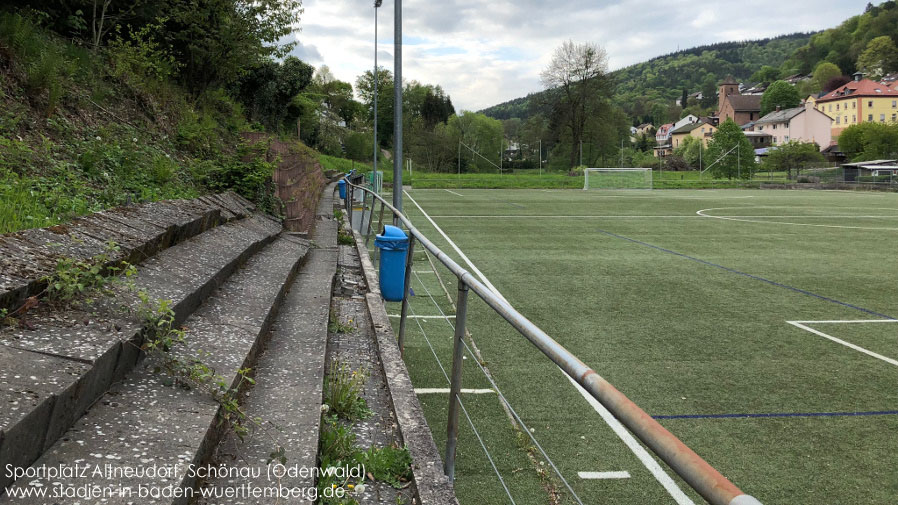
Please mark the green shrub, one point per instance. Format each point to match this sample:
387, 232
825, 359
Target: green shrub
139, 57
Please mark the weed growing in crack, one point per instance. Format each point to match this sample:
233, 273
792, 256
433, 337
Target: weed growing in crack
343, 391
73, 278
335, 326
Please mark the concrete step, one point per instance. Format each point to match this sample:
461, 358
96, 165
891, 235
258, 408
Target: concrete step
287, 396
150, 421
51, 375
26, 257
289, 377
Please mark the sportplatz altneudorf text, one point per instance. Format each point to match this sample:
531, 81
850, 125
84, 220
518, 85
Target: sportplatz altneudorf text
107, 471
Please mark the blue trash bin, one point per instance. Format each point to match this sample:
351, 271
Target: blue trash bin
393, 244
341, 184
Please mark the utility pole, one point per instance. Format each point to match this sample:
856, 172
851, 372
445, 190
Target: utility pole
397, 108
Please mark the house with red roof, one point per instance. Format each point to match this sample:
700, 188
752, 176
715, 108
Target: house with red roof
859, 101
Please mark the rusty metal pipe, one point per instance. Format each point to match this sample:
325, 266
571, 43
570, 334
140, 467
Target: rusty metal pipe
702, 477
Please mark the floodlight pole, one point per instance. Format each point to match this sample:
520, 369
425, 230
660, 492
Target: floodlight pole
397, 109
738, 163
540, 157
377, 4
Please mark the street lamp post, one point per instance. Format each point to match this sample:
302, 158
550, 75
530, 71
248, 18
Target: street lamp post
377, 3
397, 108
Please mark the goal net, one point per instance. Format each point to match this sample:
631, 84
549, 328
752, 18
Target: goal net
617, 178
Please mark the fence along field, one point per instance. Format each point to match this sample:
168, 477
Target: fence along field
689, 302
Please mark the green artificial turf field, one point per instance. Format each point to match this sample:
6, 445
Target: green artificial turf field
682, 300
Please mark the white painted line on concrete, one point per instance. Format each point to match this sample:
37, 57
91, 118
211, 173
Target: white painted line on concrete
457, 250
454, 193
638, 450
423, 317
603, 475
424, 391
846, 344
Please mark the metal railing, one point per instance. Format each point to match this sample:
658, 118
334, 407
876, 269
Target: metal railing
702, 477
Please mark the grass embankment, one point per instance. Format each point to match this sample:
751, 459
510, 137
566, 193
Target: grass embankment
83, 130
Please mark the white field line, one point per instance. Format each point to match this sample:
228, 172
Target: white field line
846, 344
660, 475
638, 450
744, 220
457, 250
647, 216
423, 317
454, 193
603, 475
526, 216
422, 271
425, 391
846, 321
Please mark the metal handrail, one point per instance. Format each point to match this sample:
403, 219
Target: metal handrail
701, 476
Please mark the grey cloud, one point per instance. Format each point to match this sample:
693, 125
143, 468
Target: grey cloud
307, 53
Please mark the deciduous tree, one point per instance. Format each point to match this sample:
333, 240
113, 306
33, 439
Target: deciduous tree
729, 153
578, 73
779, 94
792, 156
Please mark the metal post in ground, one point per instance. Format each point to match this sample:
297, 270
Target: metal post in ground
455, 381
408, 277
380, 224
350, 196
370, 218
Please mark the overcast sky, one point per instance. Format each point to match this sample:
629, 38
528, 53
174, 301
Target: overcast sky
486, 52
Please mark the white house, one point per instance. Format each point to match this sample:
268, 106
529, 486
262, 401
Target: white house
688, 119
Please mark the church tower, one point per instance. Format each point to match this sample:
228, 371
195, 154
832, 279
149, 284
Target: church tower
728, 87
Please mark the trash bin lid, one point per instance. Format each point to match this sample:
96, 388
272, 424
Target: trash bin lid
392, 239
341, 182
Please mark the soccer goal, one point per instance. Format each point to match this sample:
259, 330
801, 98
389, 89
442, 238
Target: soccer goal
617, 178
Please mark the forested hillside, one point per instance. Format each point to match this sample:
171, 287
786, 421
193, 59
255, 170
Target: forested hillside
649, 89
844, 44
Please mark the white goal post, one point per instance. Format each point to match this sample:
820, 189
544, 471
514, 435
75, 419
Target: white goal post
617, 178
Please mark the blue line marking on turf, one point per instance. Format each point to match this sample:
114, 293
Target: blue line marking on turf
755, 277
781, 414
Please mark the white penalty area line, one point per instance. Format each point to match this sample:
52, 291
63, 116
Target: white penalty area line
410, 316
803, 326
454, 193
425, 391
638, 450
603, 475
457, 250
